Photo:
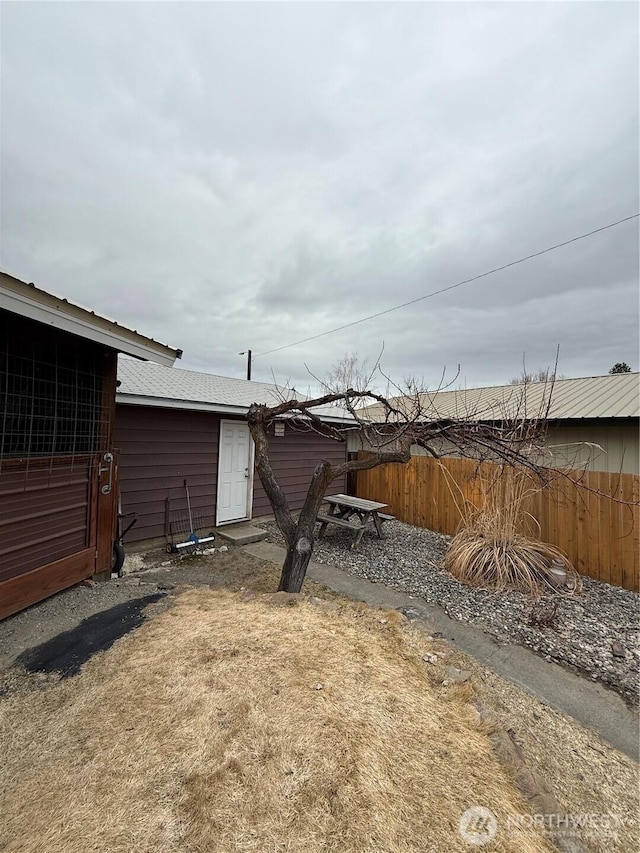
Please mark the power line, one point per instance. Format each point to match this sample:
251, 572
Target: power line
450, 287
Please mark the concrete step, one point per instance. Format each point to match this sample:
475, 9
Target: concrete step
241, 534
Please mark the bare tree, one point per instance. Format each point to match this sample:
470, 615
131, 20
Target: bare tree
543, 374
547, 375
349, 372
390, 438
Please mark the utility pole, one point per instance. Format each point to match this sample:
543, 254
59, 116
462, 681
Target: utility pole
247, 352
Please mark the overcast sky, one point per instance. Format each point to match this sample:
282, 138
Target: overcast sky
222, 176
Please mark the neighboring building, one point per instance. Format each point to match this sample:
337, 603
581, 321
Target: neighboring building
58, 466
593, 422
176, 425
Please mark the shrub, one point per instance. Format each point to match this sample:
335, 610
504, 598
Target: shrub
493, 549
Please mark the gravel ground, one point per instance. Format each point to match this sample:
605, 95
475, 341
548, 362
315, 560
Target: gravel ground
596, 633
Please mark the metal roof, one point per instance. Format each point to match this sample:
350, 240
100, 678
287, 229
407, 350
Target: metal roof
33, 302
610, 396
144, 384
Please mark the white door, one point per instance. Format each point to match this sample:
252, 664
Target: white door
235, 472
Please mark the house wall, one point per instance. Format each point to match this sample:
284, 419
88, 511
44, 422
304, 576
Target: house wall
160, 448
293, 458
618, 439
572, 444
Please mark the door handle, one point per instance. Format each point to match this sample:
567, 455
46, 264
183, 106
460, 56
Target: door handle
108, 458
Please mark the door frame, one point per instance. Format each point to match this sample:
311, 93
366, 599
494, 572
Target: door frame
104, 508
249, 513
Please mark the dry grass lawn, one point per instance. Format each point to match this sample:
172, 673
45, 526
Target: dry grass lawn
236, 725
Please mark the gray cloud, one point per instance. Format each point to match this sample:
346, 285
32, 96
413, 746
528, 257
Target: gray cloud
230, 175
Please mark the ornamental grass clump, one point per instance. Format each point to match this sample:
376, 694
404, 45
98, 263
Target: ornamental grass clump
494, 548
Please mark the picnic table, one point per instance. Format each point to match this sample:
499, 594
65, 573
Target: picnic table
342, 508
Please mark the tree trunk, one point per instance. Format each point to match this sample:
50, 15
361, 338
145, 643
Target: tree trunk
295, 566
300, 546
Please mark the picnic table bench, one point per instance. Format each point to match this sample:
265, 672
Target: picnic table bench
344, 507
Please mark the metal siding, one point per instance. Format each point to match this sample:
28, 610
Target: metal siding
159, 449
293, 458
43, 512
619, 441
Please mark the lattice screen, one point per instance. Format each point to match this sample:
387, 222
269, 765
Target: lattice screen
51, 389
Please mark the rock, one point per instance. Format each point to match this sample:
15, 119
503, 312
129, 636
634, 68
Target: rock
455, 675
248, 595
430, 658
208, 552
444, 653
223, 549
284, 599
409, 613
617, 650
134, 563
166, 586
322, 603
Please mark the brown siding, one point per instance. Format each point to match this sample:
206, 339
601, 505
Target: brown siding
43, 512
159, 449
293, 457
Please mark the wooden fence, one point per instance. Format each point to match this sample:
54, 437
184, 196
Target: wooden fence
594, 517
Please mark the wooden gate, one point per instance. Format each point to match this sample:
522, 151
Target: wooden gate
57, 525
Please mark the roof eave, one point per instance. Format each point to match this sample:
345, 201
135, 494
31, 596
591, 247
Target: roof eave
172, 403
201, 406
27, 300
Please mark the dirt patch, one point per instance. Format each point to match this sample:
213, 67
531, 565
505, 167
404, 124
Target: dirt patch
227, 724
231, 570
